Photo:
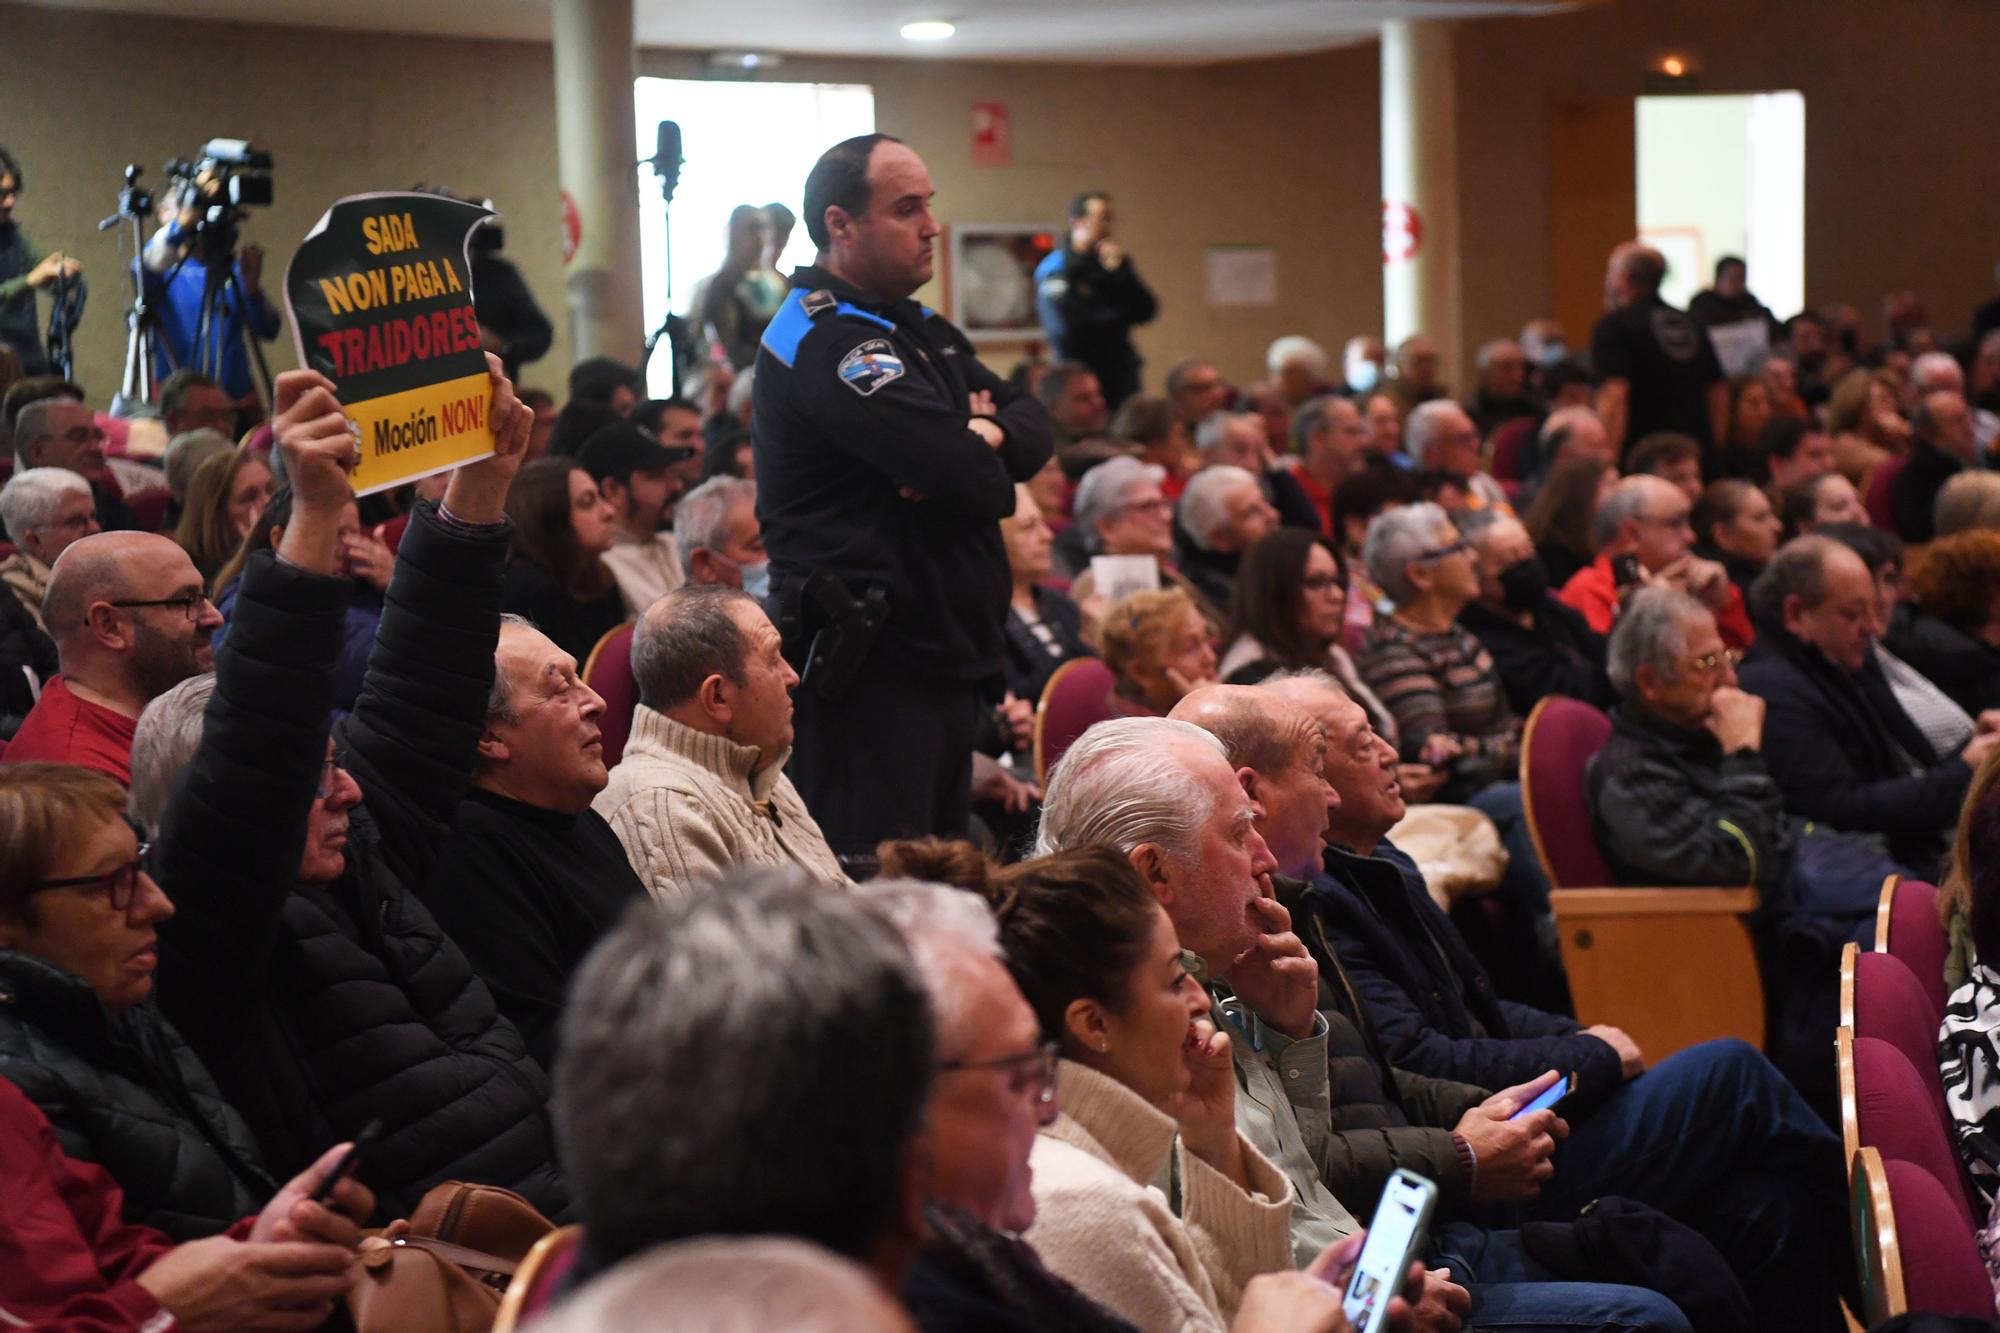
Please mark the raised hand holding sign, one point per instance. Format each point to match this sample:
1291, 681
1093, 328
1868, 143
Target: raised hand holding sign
380, 296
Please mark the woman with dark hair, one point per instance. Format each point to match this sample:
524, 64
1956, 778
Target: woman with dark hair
1734, 526
1289, 613
1813, 503
1559, 520
364, 558
1150, 422
223, 499
1144, 1077
1750, 409
554, 576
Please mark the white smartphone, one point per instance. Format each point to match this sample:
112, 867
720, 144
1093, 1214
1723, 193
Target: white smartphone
1395, 1237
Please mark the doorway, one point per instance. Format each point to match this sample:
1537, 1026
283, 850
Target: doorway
744, 143
1725, 176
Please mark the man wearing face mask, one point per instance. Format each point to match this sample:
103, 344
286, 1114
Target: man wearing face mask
715, 530
632, 469
1539, 646
702, 788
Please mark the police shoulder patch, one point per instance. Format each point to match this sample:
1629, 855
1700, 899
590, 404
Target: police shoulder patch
870, 366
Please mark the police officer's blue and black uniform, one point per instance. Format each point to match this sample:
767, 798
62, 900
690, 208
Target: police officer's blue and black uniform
1088, 310
881, 511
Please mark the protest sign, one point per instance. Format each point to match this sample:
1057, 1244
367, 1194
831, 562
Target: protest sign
380, 295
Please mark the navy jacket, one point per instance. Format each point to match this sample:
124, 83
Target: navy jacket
867, 470
1433, 1006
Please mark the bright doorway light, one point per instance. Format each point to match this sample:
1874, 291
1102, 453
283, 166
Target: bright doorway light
745, 143
1726, 175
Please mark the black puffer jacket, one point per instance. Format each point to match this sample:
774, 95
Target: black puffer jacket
320, 1006
23, 648
129, 1095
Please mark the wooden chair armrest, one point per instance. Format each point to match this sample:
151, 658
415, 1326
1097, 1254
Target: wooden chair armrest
1654, 901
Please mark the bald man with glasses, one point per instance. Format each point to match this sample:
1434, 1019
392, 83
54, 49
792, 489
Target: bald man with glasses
130, 620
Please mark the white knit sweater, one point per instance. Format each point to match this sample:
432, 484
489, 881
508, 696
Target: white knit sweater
685, 806
1103, 1225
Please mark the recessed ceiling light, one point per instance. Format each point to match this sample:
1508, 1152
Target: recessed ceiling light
928, 30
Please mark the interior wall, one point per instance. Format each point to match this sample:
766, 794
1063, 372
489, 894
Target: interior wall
1901, 189
1277, 152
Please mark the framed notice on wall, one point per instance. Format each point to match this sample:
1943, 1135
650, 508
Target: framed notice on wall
991, 281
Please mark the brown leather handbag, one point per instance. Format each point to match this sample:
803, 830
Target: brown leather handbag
447, 1273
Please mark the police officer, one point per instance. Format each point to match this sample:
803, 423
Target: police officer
1089, 297
886, 458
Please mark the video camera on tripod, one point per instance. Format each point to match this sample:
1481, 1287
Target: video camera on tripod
215, 186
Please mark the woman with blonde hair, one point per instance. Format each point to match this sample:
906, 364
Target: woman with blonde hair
1158, 646
1867, 428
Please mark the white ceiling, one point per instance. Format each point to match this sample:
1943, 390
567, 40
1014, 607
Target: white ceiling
1134, 31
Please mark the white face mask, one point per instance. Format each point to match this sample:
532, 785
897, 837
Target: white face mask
1362, 374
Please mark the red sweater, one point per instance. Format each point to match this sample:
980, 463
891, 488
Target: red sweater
1592, 591
63, 729
69, 1262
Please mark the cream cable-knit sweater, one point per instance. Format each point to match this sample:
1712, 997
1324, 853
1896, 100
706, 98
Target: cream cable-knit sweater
1102, 1223
685, 806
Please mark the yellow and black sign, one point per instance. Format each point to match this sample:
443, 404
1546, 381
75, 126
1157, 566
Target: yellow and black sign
380, 295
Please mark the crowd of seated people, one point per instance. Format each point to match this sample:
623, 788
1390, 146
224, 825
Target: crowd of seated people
307, 818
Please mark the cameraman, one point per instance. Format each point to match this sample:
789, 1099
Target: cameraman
176, 273
23, 271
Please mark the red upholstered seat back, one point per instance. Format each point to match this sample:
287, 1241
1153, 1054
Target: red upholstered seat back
1942, 1272
149, 507
1562, 737
1917, 938
609, 672
1894, 1115
1507, 440
1077, 697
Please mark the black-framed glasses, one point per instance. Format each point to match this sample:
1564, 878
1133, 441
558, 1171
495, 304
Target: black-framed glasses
190, 603
119, 885
1320, 582
1708, 662
326, 772
1459, 547
1027, 1071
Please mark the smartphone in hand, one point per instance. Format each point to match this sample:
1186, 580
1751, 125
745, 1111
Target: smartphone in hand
1395, 1237
349, 1160
1551, 1096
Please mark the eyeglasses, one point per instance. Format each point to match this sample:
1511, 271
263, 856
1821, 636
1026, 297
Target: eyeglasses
190, 603
1029, 1071
1708, 662
325, 787
1319, 582
1148, 507
119, 885
1442, 552
82, 520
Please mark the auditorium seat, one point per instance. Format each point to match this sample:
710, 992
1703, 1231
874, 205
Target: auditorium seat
1907, 928
1915, 1252
1893, 1115
1077, 697
608, 670
1881, 488
536, 1282
149, 507
1672, 966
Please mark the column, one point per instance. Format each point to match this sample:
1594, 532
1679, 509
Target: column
1420, 188
596, 157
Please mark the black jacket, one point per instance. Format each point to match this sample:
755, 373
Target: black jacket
1030, 662
1088, 312
1669, 807
971, 1279
526, 892
859, 408
23, 648
1434, 1007
1842, 750
1383, 1117
129, 1095
1913, 492
320, 1006
1561, 654
1964, 667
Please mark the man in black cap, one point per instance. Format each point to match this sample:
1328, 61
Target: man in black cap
886, 457
634, 471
